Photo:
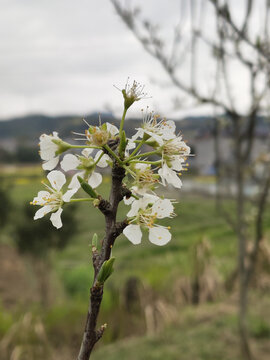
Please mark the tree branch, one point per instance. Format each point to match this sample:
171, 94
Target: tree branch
223, 11
113, 230
258, 226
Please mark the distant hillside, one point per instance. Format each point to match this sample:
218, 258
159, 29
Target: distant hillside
29, 128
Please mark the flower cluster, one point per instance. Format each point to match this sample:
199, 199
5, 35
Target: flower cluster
154, 155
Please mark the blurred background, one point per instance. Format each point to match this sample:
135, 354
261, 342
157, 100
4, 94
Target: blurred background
206, 65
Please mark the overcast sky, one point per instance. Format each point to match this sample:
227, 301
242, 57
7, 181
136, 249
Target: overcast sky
63, 56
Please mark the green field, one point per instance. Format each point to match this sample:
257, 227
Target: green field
180, 330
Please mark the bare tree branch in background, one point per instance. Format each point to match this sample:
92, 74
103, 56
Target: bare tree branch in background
234, 42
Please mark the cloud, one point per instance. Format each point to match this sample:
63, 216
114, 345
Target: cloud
60, 56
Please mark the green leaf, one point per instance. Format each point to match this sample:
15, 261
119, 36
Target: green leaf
106, 270
87, 188
94, 241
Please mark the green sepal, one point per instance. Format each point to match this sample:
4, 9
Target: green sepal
91, 129
62, 146
106, 270
128, 100
103, 127
154, 144
87, 188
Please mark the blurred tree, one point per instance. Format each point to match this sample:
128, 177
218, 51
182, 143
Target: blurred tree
6, 156
227, 39
38, 238
26, 154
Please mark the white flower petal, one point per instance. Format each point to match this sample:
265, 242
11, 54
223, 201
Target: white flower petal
103, 162
141, 166
133, 233
177, 163
41, 198
139, 191
135, 206
43, 211
159, 235
67, 196
129, 200
130, 145
48, 153
56, 218
57, 179
86, 152
142, 203
174, 180
95, 180
47, 147
50, 164
162, 208
139, 133
168, 129
70, 162
169, 176
112, 129
156, 137
74, 183
148, 199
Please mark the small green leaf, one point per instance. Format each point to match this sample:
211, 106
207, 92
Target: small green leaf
106, 270
87, 188
94, 241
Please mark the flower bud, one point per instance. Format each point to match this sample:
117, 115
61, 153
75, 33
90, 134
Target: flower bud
96, 202
94, 240
132, 93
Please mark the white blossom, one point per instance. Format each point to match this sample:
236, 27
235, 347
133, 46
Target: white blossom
48, 150
168, 175
174, 154
100, 135
132, 93
144, 213
53, 199
157, 130
86, 164
144, 179
175, 149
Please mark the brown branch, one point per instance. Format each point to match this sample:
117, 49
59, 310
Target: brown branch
224, 12
113, 230
91, 335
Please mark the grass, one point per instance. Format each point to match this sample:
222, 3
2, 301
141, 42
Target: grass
208, 332
196, 219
